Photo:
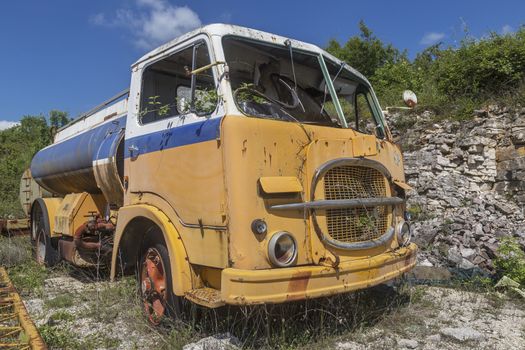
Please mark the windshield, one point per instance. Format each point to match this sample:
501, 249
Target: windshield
270, 81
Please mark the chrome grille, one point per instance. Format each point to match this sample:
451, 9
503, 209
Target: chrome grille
355, 224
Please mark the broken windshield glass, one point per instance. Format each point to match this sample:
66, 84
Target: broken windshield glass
269, 82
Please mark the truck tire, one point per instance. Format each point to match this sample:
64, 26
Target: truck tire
44, 247
155, 280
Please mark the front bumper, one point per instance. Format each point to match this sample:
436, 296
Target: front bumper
246, 287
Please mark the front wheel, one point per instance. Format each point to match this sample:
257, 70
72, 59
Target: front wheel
155, 281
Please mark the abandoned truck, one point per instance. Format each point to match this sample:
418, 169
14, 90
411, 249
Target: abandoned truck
241, 167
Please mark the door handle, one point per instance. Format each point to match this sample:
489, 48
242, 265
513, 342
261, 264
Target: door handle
133, 152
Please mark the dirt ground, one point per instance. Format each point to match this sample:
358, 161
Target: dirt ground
433, 317
76, 309
445, 318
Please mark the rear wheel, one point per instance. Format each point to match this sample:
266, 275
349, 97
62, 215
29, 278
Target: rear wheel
155, 281
44, 247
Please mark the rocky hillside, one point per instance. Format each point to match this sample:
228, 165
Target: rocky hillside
469, 183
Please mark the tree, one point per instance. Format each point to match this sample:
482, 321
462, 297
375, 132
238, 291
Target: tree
58, 118
18, 145
365, 52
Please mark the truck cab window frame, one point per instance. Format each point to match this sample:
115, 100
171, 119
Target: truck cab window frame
162, 79
365, 115
264, 85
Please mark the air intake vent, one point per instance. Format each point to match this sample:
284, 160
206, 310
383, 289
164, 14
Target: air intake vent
355, 224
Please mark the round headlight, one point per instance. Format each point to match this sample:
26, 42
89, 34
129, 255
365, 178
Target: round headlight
282, 249
404, 233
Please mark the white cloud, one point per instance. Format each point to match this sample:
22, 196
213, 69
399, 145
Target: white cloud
506, 29
431, 38
6, 124
152, 22
99, 19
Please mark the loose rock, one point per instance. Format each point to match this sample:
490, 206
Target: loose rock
216, 342
469, 185
462, 334
407, 343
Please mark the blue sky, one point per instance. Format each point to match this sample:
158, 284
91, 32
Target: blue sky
72, 55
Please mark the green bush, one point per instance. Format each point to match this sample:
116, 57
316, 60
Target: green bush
451, 81
482, 67
510, 260
17, 147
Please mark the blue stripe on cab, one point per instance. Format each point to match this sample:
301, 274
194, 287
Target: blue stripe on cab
188, 134
67, 166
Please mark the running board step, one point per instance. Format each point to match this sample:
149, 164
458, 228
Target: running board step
206, 296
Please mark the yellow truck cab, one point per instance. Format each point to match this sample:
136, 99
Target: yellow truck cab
242, 167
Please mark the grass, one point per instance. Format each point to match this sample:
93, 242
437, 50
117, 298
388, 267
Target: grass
103, 306
304, 324
57, 337
61, 315
16, 255
14, 251
115, 299
60, 301
28, 277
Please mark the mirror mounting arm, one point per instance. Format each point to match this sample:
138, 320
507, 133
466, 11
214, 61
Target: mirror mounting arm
204, 68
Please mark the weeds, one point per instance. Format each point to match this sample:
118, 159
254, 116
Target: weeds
57, 337
309, 324
418, 213
28, 277
61, 338
61, 315
299, 324
477, 284
510, 260
14, 251
60, 301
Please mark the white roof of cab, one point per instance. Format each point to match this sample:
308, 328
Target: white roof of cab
219, 29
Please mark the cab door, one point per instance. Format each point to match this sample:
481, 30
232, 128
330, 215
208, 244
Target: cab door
172, 137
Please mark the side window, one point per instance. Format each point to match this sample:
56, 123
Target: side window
169, 89
366, 116
365, 122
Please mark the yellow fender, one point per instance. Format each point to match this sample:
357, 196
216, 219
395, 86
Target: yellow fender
180, 268
49, 208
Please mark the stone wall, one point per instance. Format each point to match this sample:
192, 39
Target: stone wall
469, 184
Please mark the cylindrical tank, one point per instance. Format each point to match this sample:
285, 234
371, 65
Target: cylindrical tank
73, 165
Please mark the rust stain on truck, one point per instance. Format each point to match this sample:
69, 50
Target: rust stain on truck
240, 167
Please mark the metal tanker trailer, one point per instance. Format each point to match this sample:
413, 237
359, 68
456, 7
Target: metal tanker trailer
229, 173
87, 155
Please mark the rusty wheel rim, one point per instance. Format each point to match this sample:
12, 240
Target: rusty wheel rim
153, 286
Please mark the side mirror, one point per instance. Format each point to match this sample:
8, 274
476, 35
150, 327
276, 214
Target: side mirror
410, 98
